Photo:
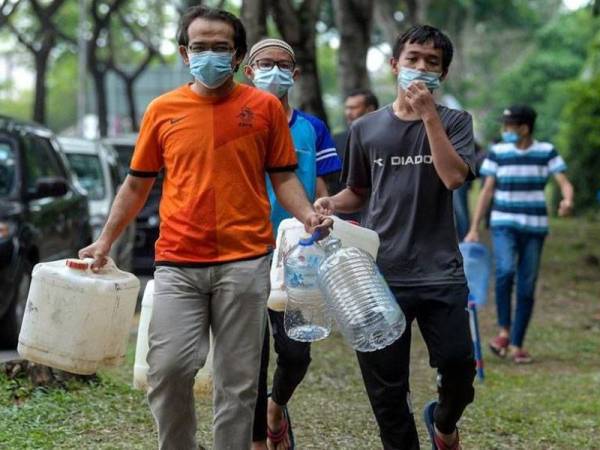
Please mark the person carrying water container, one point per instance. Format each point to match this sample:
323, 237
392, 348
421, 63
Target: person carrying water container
404, 160
271, 66
516, 172
215, 139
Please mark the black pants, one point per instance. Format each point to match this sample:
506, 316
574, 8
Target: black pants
293, 359
442, 316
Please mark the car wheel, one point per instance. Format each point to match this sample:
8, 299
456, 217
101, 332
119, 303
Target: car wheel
10, 325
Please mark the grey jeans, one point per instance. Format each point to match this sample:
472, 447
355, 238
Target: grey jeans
230, 300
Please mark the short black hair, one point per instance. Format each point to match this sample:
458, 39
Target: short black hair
369, 96
520, 115
421, 34
204, 12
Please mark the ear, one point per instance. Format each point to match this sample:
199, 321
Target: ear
296, 73
184, 54
237, 60
443, 75
249, 72
395, 64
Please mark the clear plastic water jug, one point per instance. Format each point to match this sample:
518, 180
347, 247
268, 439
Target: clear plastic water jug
359, 299
477, 265
306, 318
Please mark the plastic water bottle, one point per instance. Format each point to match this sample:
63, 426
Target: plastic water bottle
306, 318
477, 265
357, 295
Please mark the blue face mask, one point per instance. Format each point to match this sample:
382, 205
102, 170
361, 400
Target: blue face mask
275, 81
211, 69
510, 137
408, 75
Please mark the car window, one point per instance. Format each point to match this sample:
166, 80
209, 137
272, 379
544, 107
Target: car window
40, 161
89, 173
7, 169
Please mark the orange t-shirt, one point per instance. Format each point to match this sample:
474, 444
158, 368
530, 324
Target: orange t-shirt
214, 206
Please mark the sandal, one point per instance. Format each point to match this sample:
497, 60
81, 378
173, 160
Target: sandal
285, 430
499, 346
521, 357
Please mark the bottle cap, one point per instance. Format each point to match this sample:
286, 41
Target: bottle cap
309, 239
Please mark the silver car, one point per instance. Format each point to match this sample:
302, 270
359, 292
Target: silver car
96, 168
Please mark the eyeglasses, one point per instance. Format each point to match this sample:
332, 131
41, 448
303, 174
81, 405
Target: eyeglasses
268, 64
218, 48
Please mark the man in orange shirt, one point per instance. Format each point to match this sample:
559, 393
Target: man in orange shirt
215, 140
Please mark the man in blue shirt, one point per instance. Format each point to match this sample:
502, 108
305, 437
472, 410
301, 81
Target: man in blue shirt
272, 67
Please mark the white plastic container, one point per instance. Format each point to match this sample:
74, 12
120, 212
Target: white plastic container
289, 233
77, 320
203, 384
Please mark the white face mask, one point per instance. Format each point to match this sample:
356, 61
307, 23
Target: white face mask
276, 81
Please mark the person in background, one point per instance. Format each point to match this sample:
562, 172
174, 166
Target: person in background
460, 197
271, 66
516, 172
215, 139
403, 161
358, 103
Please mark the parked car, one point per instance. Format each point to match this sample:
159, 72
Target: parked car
147, 222
97, 170
43, 215
123, 145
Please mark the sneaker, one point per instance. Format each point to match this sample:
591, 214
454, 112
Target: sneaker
499, 346
436, 442
521, 357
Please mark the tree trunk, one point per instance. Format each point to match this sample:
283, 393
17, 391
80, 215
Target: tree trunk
129, 91
353, 20
41, 72
297, 27
101, 104
383, 13
254, 17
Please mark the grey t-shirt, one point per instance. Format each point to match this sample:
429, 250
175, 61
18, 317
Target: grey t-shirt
408, 206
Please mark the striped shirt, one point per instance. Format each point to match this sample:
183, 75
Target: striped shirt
521, 176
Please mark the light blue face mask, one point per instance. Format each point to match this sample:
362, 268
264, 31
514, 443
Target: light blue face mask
276, 81
408, 75
211, 69
510, 137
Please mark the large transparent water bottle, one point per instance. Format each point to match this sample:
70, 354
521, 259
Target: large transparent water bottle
306, 317
359, 299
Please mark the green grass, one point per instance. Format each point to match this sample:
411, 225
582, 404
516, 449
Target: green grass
553, 403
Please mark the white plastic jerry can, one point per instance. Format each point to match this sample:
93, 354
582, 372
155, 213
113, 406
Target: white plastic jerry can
289, 233
75, 319
203, 385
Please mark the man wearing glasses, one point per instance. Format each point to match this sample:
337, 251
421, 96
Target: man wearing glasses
272, 68
215, 139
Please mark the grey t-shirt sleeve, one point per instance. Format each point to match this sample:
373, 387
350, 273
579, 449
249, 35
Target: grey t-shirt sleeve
460, 133
356, 171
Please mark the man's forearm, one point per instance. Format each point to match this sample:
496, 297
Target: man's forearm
291, 195
349, 201
450, 167
483, 203
322, 190
129, 201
